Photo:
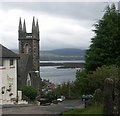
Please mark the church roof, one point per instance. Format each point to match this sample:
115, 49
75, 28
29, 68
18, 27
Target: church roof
6, 53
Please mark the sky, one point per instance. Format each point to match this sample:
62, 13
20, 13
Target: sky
62, 24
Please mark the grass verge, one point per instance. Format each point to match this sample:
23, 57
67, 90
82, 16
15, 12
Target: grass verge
93, 110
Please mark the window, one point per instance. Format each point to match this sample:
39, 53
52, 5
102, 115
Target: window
11, 62
26, 48
1, 62
28, 80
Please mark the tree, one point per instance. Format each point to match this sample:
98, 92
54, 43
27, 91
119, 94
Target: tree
29, 92
66, 89
105, 45
87, 83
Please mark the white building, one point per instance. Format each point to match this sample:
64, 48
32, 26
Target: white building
8, 75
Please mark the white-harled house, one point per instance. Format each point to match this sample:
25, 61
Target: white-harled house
8, 75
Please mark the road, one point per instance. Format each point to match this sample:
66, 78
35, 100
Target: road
49, 109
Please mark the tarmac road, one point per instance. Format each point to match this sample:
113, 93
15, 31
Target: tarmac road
49, 109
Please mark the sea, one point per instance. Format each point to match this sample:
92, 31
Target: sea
58, 76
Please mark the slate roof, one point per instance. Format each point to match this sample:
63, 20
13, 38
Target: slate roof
6, 53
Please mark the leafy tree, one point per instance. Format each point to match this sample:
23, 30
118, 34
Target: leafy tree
67, 89
87, 83
29, 92
81, 83
105, 45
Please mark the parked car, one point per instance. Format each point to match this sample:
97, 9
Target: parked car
55, 101
44, 101
59, 99
86, 97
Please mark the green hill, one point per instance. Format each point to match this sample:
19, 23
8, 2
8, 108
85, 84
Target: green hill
61, 54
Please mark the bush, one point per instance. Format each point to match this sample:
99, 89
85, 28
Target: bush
29, 92
98, 96
87, 83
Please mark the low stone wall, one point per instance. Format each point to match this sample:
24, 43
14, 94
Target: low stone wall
9, 102
112, 97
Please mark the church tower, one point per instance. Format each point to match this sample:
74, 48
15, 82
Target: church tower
28, 65
29, 42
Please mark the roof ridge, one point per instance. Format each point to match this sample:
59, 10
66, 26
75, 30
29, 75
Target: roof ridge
7, 53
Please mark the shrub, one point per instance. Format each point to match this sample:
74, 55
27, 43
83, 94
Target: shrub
29, 92
87, 83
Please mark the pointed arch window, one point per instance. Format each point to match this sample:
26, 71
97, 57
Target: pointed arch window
28, 80
26, 48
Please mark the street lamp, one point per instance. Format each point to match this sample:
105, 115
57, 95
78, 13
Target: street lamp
36, 71
37, 79
29, 76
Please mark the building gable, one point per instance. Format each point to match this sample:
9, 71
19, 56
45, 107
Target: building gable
6, 53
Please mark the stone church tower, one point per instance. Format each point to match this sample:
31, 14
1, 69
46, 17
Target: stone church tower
29, 42
29, 55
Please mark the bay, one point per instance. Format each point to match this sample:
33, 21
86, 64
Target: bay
58, 76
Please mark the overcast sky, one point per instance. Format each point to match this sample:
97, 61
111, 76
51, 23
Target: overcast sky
62, 24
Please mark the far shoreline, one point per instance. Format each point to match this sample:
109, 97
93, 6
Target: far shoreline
61, 65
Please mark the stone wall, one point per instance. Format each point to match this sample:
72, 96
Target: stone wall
112, 97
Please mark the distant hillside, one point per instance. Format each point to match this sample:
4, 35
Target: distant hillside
67, 52
61, 54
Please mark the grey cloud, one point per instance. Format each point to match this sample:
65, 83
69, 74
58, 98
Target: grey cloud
78, 10
52, 44
9, 42
82, 14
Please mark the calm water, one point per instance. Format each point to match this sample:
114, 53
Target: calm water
58, 76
